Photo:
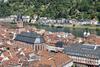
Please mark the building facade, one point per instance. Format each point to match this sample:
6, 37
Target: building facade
86, 54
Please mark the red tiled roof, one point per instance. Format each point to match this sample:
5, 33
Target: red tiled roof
54, 59
1, 59
94, 39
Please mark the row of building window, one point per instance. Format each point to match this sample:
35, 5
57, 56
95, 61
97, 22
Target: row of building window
85, 60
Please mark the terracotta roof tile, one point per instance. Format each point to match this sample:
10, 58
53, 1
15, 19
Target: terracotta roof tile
54, 59
94, 39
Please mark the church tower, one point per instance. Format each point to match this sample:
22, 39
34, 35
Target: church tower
19, 24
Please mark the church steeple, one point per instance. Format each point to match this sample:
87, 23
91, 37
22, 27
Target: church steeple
19, 23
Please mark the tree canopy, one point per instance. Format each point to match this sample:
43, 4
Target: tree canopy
78, 9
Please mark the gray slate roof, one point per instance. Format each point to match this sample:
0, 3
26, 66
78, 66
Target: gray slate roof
86, 51
59, 44
30, 37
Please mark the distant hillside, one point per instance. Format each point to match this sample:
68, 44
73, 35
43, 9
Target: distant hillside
79, 9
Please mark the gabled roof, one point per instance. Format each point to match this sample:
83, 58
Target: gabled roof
59, 44
87, 51
52, 59
30, 34
29, 37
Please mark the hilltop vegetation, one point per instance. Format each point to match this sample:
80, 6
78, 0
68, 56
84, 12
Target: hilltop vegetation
79, 9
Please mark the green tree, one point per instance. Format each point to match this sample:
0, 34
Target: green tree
79, 9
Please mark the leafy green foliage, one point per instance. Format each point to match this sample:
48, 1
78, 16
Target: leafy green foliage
79, 9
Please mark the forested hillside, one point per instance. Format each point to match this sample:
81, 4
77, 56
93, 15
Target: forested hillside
79, 9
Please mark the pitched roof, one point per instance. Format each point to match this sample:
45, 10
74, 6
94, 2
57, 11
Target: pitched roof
59, 44
93, 39
88, 51
29, 37
53, 59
